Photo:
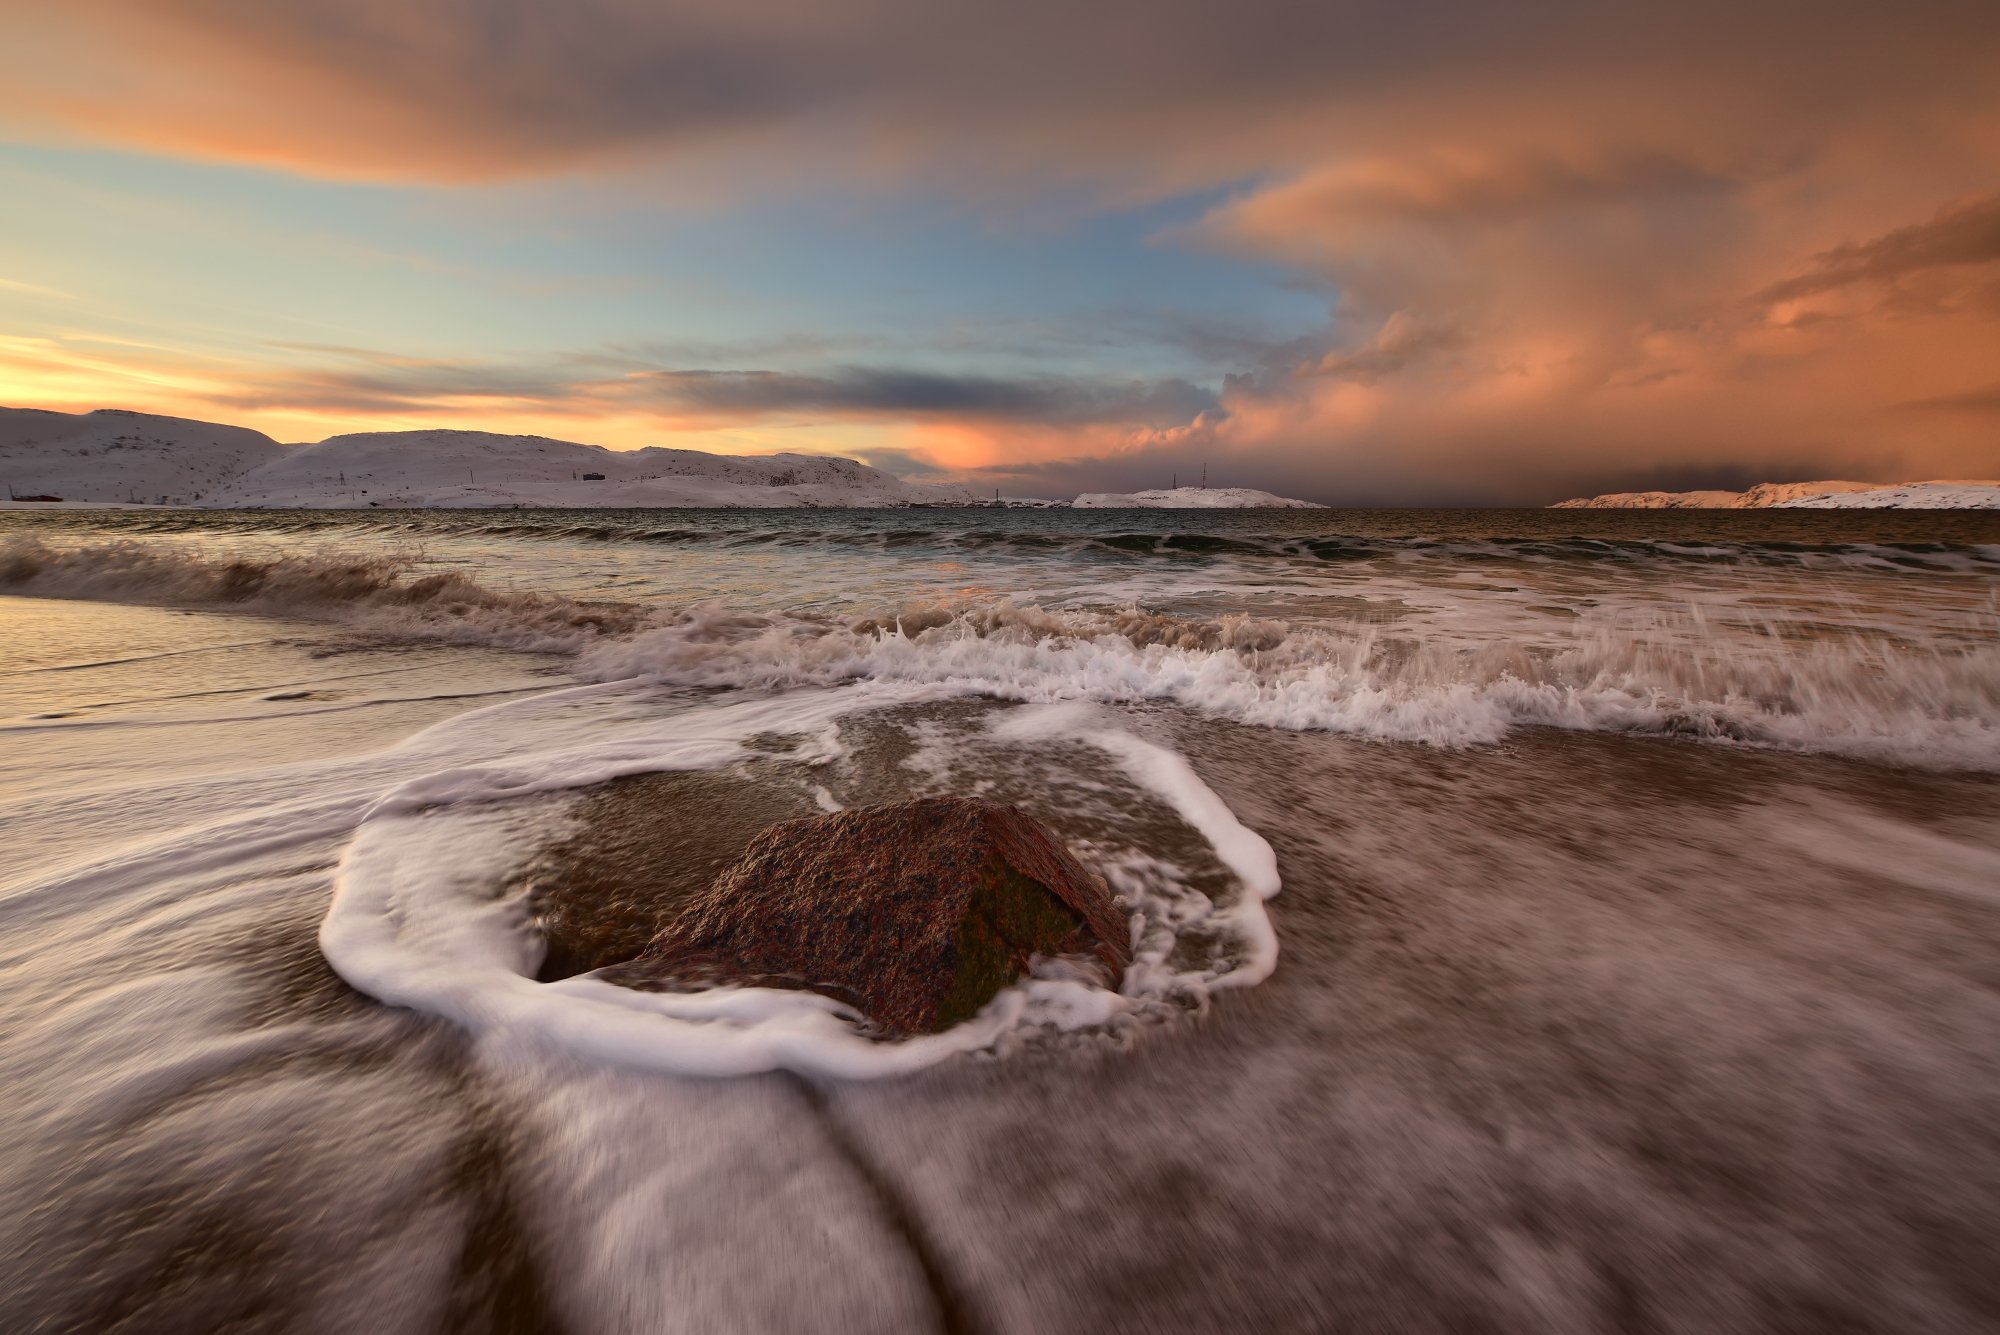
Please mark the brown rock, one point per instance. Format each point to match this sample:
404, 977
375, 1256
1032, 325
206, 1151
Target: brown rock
916, 914
644, 848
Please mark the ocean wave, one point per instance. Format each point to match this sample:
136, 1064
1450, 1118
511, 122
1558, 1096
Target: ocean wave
382, 594
1903, 704
1928, 699
1176, 545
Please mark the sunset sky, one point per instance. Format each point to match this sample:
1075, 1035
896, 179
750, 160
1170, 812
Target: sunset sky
1362, 253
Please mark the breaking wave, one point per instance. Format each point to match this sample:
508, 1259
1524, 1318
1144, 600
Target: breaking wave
382, 594
1928, 699
1907, 705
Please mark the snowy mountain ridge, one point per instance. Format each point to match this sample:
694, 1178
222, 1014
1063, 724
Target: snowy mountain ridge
116, 457
137, 458
413, 469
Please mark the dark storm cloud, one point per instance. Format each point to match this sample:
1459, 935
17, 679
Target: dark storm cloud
1982, 400
1401, 343
893, 393
1963, 233
361, 380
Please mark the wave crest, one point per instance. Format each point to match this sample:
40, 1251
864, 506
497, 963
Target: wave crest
1911, 705
377, 593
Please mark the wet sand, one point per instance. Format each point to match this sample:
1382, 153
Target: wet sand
1579, 1033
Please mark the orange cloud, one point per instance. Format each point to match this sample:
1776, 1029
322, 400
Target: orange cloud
1531, 322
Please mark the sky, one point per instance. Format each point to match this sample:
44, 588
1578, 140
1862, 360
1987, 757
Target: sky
1402, 253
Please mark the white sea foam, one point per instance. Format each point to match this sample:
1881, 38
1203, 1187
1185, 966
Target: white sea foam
1168, 774
1911, 705
418, 919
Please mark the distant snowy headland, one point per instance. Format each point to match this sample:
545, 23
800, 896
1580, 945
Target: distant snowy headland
1944, 495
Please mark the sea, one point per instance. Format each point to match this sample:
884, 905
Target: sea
1542, 921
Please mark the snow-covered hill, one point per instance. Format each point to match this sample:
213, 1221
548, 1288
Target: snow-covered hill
114, 457
398, 469
1654, 500
1780, 495
1190, 498
110, 455
1910, 496
1944, 495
